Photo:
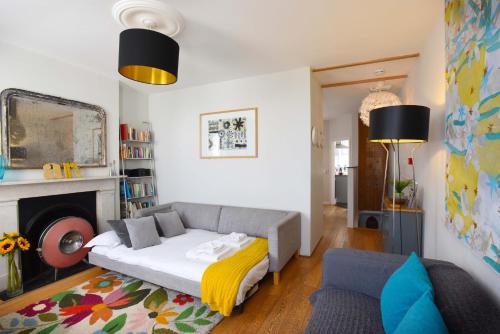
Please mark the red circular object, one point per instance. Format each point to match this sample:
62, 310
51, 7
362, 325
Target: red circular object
61, 245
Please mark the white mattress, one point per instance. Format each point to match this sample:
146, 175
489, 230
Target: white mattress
170, 257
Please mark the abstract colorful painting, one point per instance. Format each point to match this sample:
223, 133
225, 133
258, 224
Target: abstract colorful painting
229, 134
473, 125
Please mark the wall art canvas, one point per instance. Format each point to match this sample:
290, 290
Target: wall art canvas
473, 126
229, 134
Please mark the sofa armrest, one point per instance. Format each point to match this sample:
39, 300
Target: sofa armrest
359, 271
151, 211
284, 241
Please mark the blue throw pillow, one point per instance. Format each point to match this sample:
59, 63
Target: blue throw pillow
422, 317
405, 286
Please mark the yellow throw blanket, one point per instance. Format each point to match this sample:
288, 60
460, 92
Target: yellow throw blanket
221, 280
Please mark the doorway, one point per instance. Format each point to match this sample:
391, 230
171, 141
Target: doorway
340, 163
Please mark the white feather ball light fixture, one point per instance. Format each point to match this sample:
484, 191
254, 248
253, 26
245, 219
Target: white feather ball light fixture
376, 100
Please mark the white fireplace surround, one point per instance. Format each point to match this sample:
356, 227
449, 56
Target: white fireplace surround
106, 188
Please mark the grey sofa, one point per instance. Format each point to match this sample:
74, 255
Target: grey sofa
349, 298
280, 228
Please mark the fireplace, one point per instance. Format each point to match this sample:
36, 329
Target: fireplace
57, 227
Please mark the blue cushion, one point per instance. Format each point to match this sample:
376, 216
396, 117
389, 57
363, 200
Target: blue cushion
422, 317
405, 286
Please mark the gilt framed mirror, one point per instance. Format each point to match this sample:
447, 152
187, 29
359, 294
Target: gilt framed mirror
38, 129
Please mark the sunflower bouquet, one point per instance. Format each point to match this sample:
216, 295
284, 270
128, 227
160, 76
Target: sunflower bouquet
9, 244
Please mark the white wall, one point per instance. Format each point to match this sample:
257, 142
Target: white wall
134, 106
426, 86
280, 178
20, 68
317, 171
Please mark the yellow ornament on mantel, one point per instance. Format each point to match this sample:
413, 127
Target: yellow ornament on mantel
67, 170
75, 169
52, 171
68, 167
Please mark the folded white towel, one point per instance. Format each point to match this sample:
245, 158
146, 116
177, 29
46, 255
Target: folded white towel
211, 247
235, 240
240, 244
194, 254
237, 237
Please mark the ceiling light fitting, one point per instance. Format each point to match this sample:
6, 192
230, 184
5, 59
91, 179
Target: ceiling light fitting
374, 100
147, 52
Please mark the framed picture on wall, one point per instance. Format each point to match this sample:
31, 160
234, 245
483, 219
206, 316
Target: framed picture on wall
229, 134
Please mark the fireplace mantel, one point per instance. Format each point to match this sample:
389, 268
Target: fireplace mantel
107, 208
15, 190
39, 181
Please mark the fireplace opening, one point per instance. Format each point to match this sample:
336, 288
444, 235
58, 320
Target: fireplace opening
57, 227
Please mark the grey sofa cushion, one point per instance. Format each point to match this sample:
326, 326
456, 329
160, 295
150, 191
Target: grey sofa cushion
463, 303
142, 232
170, 224
254, 222
344, 311
121, 231
202, 216
152, 210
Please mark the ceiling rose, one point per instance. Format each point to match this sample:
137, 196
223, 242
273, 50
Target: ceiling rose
149, 14
376, 100
147, 52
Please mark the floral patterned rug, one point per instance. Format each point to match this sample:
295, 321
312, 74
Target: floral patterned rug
113, 303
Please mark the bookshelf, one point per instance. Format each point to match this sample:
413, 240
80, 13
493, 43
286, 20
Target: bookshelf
136, 152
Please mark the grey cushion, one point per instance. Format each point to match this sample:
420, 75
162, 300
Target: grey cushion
344, 311
201, 216
121, 231
463, 303
254, 222
152, 210
170, 224
142, 232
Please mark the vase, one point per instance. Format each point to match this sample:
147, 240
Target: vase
14, 281
3, 165
400, 199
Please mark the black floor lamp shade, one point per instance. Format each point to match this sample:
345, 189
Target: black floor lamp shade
402, 124
148, 56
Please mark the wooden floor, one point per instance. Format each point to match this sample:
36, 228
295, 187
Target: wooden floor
273, 309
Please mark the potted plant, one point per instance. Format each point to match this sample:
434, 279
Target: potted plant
399, 187
9, 244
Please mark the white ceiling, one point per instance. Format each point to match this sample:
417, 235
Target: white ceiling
339, 100
228, 39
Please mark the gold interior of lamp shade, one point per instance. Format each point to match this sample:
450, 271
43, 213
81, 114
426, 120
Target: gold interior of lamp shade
146, 74
397, 141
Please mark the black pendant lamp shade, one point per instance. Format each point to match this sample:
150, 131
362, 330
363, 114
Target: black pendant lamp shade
399, 124
148, 56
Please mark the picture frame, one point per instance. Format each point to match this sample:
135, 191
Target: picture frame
37, 129
229, 134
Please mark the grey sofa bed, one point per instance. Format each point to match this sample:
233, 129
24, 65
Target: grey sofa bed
280, 228
349, 298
